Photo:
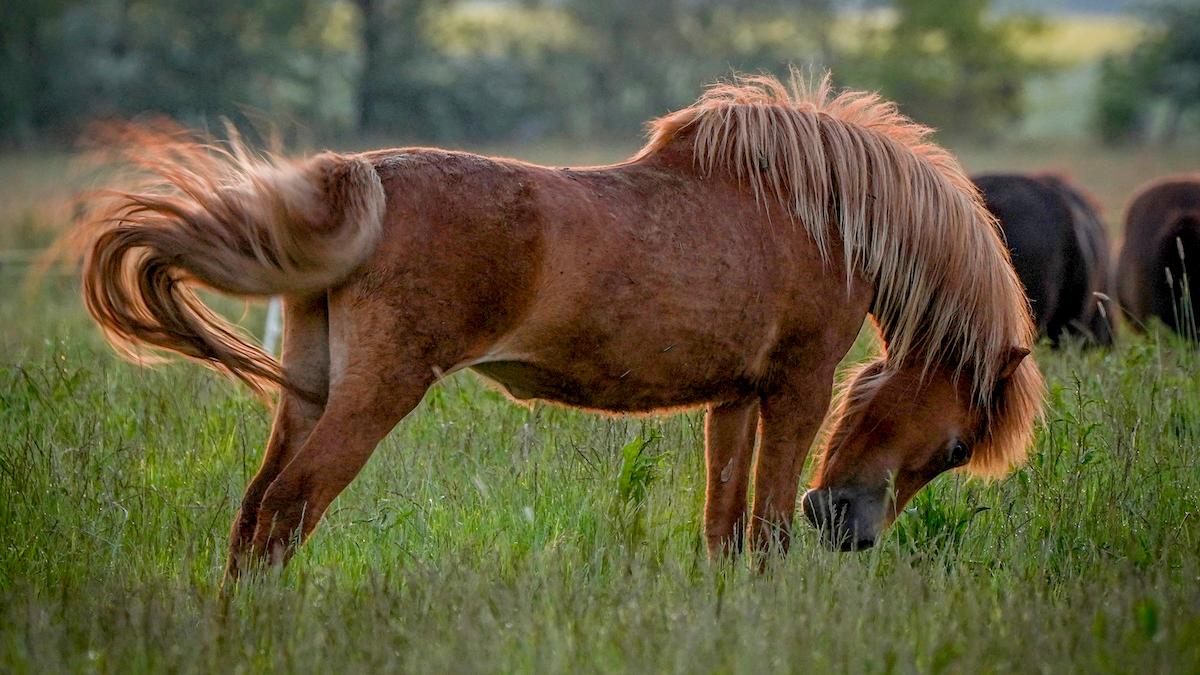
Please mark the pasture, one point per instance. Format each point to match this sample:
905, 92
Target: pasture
484, 536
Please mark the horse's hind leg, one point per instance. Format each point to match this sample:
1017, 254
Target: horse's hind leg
383, 359
729, 431
305, 360
364, 404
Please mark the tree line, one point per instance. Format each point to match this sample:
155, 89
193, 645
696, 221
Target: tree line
454, 71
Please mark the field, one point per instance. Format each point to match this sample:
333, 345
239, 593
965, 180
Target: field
488, 537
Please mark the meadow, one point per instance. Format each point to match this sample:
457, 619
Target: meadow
489, 537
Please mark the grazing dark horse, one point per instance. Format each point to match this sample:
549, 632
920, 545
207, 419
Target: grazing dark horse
729, 264
1158, 273
1060, 251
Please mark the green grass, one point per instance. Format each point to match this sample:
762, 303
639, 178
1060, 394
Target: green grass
485, 536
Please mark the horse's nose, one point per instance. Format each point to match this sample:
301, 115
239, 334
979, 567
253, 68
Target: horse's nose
825, 509
832, 512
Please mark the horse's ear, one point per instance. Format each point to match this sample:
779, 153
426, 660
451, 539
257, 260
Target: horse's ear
1011, 360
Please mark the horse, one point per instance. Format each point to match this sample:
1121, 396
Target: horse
1160, 258
729, 264
1059, 248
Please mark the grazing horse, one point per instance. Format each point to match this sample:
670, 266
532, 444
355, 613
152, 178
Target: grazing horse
729, 264
1059, 249
1158, 273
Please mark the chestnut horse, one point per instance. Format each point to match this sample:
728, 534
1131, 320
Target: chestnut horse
729, 264
1158, 274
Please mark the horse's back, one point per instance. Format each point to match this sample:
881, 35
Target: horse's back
1154, 204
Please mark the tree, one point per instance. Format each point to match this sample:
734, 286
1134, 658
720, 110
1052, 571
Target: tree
1161, 73
394, 46
951, 64
65, 62
27, 57
645, 58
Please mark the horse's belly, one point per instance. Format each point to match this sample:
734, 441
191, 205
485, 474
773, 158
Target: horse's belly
526, 381
629, 391
637, 355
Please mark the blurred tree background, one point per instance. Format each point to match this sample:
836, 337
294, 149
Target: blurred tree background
450, 71
951, 64
1155, 88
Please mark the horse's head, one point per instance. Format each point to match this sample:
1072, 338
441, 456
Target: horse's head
897, 430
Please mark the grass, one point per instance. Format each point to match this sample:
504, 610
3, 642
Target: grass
485, 536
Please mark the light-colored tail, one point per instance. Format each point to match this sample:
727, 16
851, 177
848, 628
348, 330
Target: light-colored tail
223, 218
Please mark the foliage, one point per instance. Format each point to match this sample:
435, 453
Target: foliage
454, 71
645, 58
951, 64
1161, 74
192, 59
23, 60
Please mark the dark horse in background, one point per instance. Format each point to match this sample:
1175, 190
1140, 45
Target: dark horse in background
1059, 249
1160, 259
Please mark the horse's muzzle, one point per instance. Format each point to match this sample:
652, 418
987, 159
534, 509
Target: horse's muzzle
848, 518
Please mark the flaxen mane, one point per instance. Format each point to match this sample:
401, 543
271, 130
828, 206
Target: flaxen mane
909, 219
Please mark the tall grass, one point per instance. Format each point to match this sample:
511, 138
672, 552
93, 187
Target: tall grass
485, 536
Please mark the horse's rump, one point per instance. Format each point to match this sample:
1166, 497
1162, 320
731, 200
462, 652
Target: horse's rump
1160, 254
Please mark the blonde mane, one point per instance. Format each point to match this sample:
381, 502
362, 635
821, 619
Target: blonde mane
909, 220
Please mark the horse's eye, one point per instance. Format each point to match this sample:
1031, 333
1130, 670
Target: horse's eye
959, 454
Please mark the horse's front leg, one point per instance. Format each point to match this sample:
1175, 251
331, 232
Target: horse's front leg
305, 360
729, 431
791, 416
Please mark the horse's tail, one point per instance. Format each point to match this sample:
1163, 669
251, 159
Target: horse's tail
222, 218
